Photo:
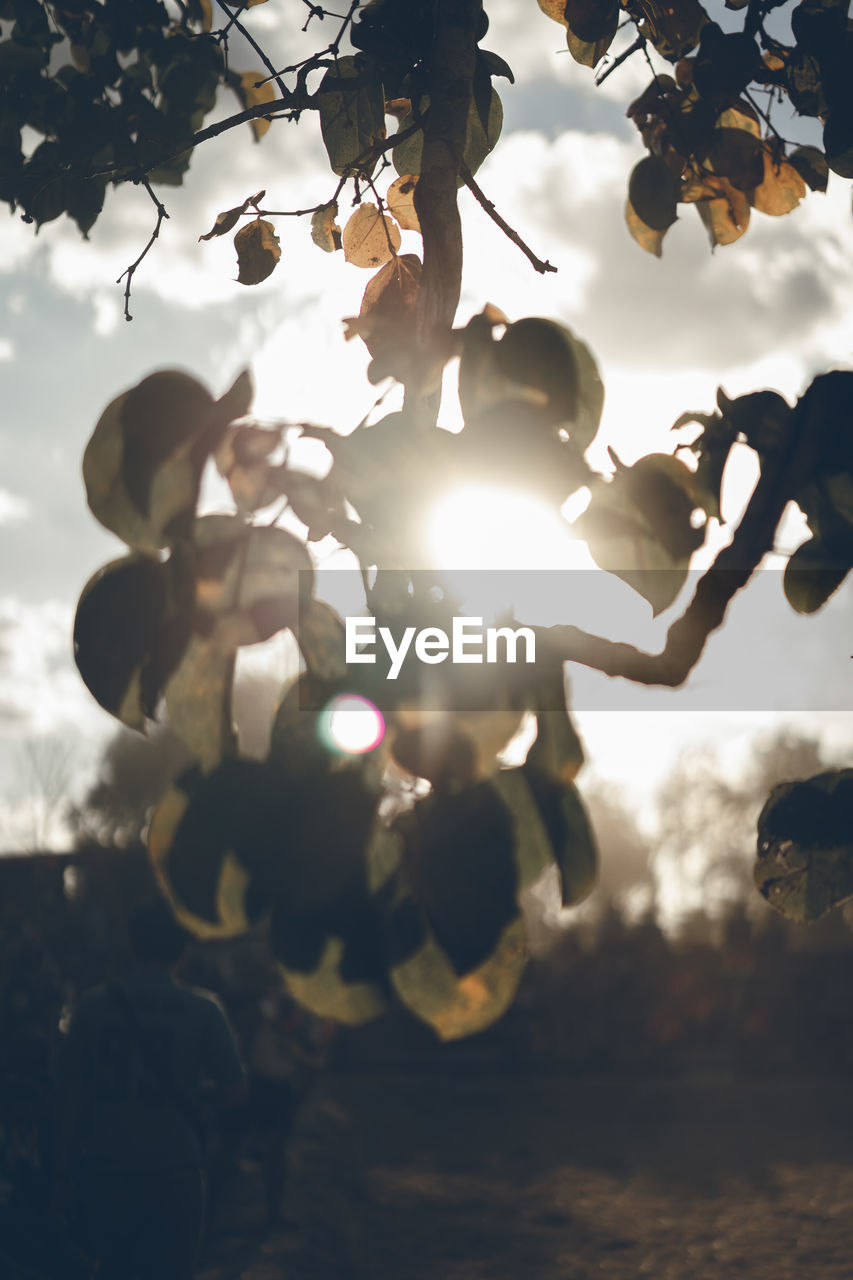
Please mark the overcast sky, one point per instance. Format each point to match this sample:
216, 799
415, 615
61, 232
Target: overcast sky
769, 311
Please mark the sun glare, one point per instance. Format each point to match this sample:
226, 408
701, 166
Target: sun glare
485, 527
351, 724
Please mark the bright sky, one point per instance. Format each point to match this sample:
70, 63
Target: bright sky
769, 311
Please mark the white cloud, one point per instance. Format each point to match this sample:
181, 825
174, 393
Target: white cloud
7, 350
40, 690
13, 507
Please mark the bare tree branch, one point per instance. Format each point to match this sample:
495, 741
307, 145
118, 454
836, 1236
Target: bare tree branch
131, 270
490, 209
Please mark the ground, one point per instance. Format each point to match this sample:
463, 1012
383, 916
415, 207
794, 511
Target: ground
413, 1176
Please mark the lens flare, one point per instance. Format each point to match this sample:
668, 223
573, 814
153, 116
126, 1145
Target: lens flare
351, 724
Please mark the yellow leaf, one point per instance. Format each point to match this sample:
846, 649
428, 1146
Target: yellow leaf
252, 94
369, 238
401, 201
725, 212
781, 190
647, 238
325, 231
555, 9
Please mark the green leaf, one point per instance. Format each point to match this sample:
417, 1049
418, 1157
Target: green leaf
805, 846
569, 832
142, 466
258, 251
479, 139
351, 106
814, 572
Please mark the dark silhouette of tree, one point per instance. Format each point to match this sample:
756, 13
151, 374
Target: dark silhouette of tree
424, 910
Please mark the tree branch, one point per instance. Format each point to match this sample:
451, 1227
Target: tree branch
131, 270
783, 475
450, 79
490, 209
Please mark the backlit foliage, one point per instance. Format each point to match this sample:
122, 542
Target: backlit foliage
365, 908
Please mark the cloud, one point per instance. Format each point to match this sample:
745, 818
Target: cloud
12, 507
783, 286
40, 689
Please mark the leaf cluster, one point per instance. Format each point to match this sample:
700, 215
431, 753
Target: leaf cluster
709, 141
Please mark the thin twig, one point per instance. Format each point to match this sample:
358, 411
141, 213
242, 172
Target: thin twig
617, 62
247, 36
537, 263
131, 270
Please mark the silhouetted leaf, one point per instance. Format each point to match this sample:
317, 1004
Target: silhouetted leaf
838, 141
142, 466
479, 140
813, 573
738, 156
646, 237
653, 193
123, 649
226, 221
805, 846
384, 321
258, 251
810, 164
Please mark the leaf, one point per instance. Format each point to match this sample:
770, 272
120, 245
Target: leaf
258, 251
590, 29
142, 466
805, 847
653, 193
479, 140
384, 320
122, 647
496, 65
249, 580
569, 832
673, 28
215, 846
781, 189
647, 238
738, 156
320, 636
325, 231
351, 106
401, 201
810, 164
725, 213
251, 94
226, 221
742, 115
539, 353
242, 458
369, 237
198, 699
813, 573
638, 527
